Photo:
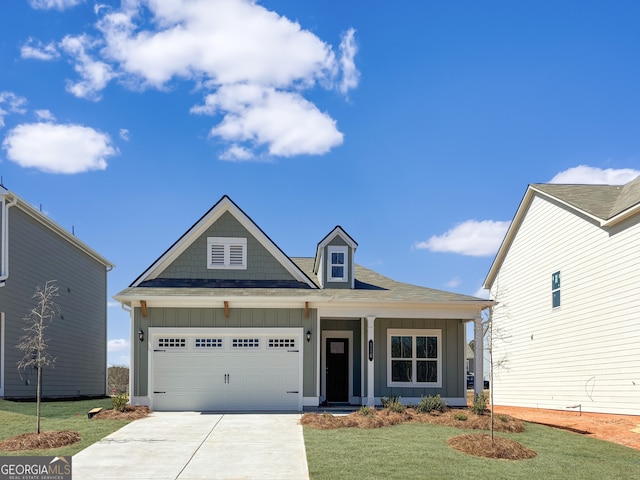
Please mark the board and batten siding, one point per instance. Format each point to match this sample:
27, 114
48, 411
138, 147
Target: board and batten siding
77, 338
584, 353
248, 318
452, 352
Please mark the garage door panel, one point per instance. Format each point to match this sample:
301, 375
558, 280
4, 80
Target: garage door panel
230, 371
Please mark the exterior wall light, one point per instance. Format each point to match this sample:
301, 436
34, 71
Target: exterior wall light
141, 335
308, 335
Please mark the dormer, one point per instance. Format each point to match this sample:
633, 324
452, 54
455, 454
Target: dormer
334, 260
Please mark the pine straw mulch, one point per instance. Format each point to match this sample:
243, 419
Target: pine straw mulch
130, 412
480, 445
385, 418
40, 441
473, 444
44, 440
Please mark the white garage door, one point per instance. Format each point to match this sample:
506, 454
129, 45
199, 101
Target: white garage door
226, 369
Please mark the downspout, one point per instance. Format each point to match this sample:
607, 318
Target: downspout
4, 251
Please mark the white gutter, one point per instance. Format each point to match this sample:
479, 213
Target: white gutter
4, 251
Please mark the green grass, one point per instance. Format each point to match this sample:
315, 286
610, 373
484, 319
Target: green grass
20, 417
418, 451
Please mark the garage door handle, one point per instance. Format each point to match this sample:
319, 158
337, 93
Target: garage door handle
156, 350
293, 351
159, 392
294, 391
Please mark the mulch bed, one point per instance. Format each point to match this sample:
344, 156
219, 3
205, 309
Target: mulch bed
38, 441
130, 413
385, 417
480, 445
44, 440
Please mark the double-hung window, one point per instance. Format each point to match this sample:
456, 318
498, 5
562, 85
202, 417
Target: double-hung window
414, 358
226, 253
555, 289
338, 269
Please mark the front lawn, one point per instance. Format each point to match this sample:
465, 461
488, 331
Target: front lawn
20, 417
418, 451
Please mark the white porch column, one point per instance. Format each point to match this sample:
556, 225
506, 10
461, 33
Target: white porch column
478, 356
371, 401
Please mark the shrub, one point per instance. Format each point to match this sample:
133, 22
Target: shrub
479, 406
120, 401
459, 416
393, 404
431, 404
367, 411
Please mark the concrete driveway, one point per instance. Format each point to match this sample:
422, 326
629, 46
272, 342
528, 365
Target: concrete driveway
191, 445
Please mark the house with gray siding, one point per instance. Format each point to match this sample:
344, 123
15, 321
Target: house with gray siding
566, 283
225, 320
33, 250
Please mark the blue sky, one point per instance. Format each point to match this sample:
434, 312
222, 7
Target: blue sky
416, 126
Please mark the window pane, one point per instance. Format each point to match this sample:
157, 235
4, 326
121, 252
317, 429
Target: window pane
407, 347
401, 371
432, 347
337, 272
427, 372
555, 281
337, 258
556, 298
396, 347
421, 347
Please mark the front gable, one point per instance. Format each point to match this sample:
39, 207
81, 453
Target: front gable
334, 262
224, 248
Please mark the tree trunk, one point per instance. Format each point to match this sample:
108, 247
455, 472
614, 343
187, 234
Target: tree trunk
38, 393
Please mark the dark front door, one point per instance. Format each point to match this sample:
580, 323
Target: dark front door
337, 369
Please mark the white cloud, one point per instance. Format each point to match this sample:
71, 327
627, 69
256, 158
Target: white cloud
45, 115
348, 50
473, 238
482, 293
454, 282
39, 51
584, 174
285, 121
54, 4
118, 345
224, 47
58, 148
236, 153
124, 134
10, 103
94, 74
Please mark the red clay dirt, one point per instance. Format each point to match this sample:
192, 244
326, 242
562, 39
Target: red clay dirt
621, 429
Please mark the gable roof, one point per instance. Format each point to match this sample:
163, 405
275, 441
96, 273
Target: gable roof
338, 231
49, 224
606, 205
225, 204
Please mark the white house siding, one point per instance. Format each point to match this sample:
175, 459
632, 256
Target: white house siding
586, 352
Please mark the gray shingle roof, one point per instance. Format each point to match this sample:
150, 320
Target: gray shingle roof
369, 286
602, 201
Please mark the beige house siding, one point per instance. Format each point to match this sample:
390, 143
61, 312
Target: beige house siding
584, 352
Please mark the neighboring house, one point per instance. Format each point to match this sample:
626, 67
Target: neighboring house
567, 285
33, 250
225, 320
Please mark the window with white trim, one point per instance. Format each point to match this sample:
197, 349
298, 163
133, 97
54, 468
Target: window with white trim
226, 253
555, 290
414, 358
337, 264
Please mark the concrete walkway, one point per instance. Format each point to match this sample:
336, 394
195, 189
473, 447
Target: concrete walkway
190, 445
